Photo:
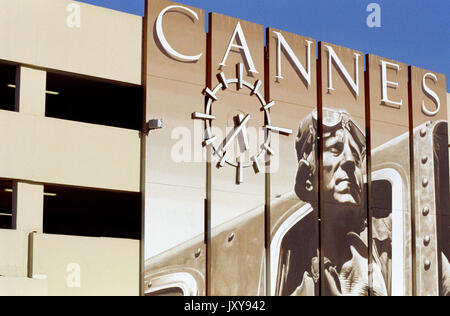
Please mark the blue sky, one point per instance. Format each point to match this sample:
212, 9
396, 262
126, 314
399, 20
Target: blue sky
416, 32
130, 6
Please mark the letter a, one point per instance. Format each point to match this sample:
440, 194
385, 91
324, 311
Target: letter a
239, 33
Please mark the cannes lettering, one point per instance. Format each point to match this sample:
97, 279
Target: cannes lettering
239, 41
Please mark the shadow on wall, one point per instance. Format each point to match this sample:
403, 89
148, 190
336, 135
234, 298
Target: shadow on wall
92, 213
93, 101
5, 204
7, 87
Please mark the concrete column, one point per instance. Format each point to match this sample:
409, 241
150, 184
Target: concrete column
28, 199
28, 207
30, 91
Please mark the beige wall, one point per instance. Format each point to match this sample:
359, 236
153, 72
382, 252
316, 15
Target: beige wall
37, 150
63, 265
86, 266
22, 287
174, 191
48, 150
14, 266
108, 44
13, 254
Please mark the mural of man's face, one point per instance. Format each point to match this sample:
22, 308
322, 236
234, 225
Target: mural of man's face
342, 173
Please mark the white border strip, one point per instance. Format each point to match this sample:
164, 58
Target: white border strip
398, 253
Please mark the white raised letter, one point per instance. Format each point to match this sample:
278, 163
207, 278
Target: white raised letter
243, 46
430, 93
385, 83
332, 56
283, 43
162, 38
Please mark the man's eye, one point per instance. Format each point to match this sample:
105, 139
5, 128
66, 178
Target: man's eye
337, 149
357, 158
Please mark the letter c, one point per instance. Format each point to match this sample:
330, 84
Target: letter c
162, 38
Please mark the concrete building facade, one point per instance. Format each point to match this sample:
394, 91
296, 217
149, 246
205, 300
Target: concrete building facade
71, 162
37, 38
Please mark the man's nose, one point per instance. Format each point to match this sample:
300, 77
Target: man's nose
349, 162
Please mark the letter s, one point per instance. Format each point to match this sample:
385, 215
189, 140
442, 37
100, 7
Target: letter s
162, 38
432, 94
